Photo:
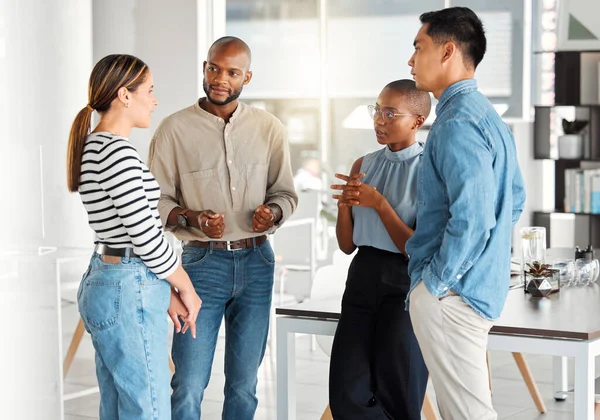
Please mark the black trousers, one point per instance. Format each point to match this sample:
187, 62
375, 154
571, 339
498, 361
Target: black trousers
376, 370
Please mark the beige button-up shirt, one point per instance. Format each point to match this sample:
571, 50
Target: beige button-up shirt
203, 163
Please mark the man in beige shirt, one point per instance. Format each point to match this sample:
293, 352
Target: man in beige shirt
226, 180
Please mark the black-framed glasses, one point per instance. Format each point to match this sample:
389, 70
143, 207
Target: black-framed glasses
386, 114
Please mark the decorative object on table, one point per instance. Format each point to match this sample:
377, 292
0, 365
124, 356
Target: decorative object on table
570, 144
541, 280
587, 271
587, 253
566, 271
533, 248
587, 267
533, 244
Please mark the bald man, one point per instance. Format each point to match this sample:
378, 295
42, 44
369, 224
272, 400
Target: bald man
226, 181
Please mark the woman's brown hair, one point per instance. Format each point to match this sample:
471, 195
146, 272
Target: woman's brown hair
108, 76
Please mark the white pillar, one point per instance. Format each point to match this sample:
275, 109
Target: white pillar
45, 60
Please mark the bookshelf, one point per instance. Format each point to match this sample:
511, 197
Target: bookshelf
577, 96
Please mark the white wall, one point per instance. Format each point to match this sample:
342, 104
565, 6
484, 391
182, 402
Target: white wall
164, 35
47, 51
45, 60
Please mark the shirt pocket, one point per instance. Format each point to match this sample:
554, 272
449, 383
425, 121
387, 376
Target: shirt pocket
256, 185
202, 190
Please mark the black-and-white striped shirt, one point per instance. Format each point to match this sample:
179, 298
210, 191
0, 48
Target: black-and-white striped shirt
120, 196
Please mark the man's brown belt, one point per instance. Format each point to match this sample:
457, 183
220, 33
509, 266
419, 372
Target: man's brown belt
230, 245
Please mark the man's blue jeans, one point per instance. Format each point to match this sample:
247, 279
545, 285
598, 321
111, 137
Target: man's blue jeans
236, 285
124, 308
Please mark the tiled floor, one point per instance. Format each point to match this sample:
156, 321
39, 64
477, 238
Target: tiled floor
510, 395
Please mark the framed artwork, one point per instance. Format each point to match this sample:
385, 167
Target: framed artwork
578, 25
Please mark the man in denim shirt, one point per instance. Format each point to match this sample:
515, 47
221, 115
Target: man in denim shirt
470, 194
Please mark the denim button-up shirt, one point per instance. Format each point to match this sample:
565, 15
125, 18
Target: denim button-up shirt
470, 194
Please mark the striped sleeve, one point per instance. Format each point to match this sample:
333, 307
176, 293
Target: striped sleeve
121, 175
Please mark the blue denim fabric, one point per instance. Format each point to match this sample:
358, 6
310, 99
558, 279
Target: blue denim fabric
470, 195
124, 308
237, 285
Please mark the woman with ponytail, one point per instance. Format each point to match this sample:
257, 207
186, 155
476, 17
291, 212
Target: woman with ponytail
134, 276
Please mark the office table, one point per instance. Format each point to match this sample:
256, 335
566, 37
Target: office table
565, 325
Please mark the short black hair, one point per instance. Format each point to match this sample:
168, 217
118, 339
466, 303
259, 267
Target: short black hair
460, 25
418, 100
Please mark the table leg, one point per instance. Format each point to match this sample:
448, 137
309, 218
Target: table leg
584, 384
75, 341
286, 371
561, 377
529, 381
428, 408
327, 414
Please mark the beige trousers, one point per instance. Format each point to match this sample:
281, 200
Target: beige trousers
453, 340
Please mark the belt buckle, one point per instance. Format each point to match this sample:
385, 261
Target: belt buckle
229, 248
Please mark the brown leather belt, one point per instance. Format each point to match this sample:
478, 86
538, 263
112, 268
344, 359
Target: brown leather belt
230, 245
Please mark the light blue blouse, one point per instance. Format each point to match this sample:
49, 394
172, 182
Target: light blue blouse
394, 174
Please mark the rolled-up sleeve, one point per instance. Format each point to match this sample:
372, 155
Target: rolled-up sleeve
280, 180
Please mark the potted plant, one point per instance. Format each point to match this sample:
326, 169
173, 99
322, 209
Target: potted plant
570, 144
541, 280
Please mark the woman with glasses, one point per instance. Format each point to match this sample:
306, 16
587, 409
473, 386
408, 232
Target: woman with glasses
377, 370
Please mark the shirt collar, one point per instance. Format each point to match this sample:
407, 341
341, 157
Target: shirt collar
205, 114
409, 152
463, 86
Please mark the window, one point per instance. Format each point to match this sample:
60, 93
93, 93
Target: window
317, 64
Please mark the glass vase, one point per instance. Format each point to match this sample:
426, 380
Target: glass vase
533, 249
